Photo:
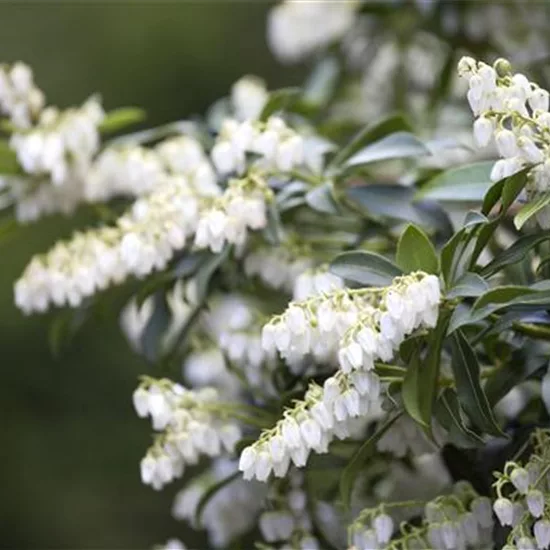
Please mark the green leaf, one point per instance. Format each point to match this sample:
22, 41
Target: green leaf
501, 295
516, 253
470, 285
64, 327
531, 209
207, 269
321, 199
379, 129
449, 414
513, 186
210, 492
464, 184
119, 119
155, 329
394, 146
492, 197
280, 100
8, 159
351, 471
420, 383
415, 252
392, 201
466, 372
365, 268
323, 81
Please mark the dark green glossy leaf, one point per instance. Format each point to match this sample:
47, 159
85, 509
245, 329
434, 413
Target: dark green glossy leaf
365, 268
353, 468
155, 329
449, 414
394, 146
321, 199
466, 372
415, 252
464, 184
393, 123
513, 186
470, 285
420, 383
515, 253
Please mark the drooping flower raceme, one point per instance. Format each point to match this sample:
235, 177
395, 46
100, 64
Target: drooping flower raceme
513, 113
297, 29
276, 146
20, 98
192, 423
232, 510
62, 144
144, 239
522, 496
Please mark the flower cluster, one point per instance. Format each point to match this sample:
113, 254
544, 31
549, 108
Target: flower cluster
514, 113
230, 512
458, 520
192, 423
312, 423
522, 502
298, 29
278, 267
243, 206
277, 146
357, 327
144, 239
288, 522
20, 99
315, 281
62, 144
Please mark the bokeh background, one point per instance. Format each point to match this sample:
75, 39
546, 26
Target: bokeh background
70, 442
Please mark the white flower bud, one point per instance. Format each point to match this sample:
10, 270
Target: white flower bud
541, 530
383, 525
506, 143
141, 402
539, 100
535, 502
530, 150
504, 511
483, 131
520, 479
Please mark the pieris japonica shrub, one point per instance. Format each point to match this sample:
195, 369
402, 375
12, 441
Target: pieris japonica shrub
344, 308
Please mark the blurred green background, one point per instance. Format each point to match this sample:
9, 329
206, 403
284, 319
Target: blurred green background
71, 443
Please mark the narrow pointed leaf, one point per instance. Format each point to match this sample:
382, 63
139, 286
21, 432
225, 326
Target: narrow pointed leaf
415, 252
366, 268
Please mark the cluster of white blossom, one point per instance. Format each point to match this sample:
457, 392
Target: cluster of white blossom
298, 29
459, 520
312, 423
143, 240
315, 281
277, 146
278, 267
357, 327
522, 502
514, 113
20, 99
192, 423
62, 144
231, 511
288, 523
242, 207
248, 97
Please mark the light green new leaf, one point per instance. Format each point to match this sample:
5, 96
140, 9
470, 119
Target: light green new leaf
351, 471
464, 184
394, 146
415, 252
470, 392
365, 268
118, 119
280, 100
530, 210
